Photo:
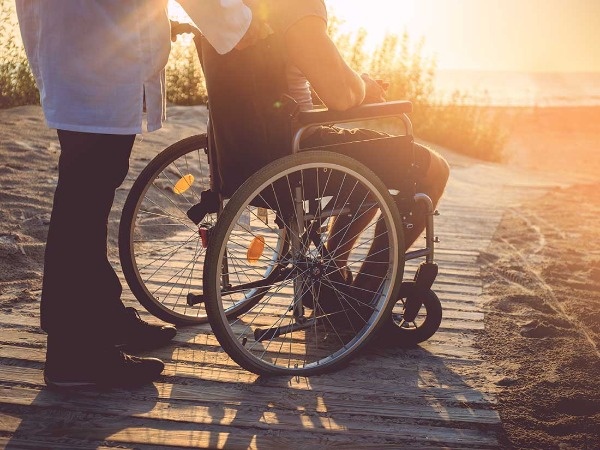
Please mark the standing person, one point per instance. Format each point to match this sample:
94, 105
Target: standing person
97, 63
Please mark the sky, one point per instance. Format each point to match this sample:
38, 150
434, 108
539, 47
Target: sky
513, 35
496, 35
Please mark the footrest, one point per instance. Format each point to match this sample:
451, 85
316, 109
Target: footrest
194, 299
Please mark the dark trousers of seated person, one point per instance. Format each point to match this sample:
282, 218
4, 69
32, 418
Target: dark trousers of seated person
431, 174
421, 159
81, 293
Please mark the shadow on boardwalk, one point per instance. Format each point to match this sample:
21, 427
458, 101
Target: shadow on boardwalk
385, 397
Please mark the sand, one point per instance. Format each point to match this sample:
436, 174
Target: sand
541, 272
543, 319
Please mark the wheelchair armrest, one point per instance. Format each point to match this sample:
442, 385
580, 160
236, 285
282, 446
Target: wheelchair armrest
362, 112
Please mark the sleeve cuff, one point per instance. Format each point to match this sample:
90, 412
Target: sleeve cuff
223, 22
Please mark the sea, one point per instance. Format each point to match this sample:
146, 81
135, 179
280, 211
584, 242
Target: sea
506, 88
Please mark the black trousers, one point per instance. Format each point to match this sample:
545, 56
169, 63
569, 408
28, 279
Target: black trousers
81, 293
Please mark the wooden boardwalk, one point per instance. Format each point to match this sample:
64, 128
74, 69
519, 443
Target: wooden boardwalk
438, 395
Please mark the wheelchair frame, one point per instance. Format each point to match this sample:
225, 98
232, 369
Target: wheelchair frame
417, 292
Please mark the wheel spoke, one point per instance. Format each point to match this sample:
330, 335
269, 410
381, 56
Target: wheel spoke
161, 253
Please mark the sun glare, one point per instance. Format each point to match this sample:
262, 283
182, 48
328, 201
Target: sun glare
378, 18
176, 12
513, 35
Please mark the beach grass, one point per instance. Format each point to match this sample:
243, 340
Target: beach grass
17, 85
457, 122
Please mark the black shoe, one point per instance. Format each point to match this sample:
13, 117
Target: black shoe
133, 333
345, 307
108, 367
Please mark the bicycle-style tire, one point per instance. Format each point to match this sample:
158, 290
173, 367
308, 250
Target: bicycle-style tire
159, 247
268, 339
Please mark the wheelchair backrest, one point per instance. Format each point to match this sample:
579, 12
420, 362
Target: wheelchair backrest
250, 128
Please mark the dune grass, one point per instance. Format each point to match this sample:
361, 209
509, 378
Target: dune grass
458, 124
17, 85
477, 130
185, 83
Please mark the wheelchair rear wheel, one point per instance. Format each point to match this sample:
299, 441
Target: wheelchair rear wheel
302, 314
160, 248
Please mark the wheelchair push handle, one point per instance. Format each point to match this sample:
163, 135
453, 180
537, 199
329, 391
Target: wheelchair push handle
179, 28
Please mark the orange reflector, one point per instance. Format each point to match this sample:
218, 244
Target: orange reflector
255, 249
184, 183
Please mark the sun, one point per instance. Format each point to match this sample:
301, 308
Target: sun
375, 15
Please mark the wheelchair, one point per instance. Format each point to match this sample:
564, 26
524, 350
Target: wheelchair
275, 268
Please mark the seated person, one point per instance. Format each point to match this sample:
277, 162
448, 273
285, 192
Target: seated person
246, 87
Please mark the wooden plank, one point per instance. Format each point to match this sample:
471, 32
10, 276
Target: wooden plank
204, 347
48, 443
411, 380
87, 427
247, 410
242, 408
467, 317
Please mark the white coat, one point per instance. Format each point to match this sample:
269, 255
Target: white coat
95, 61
